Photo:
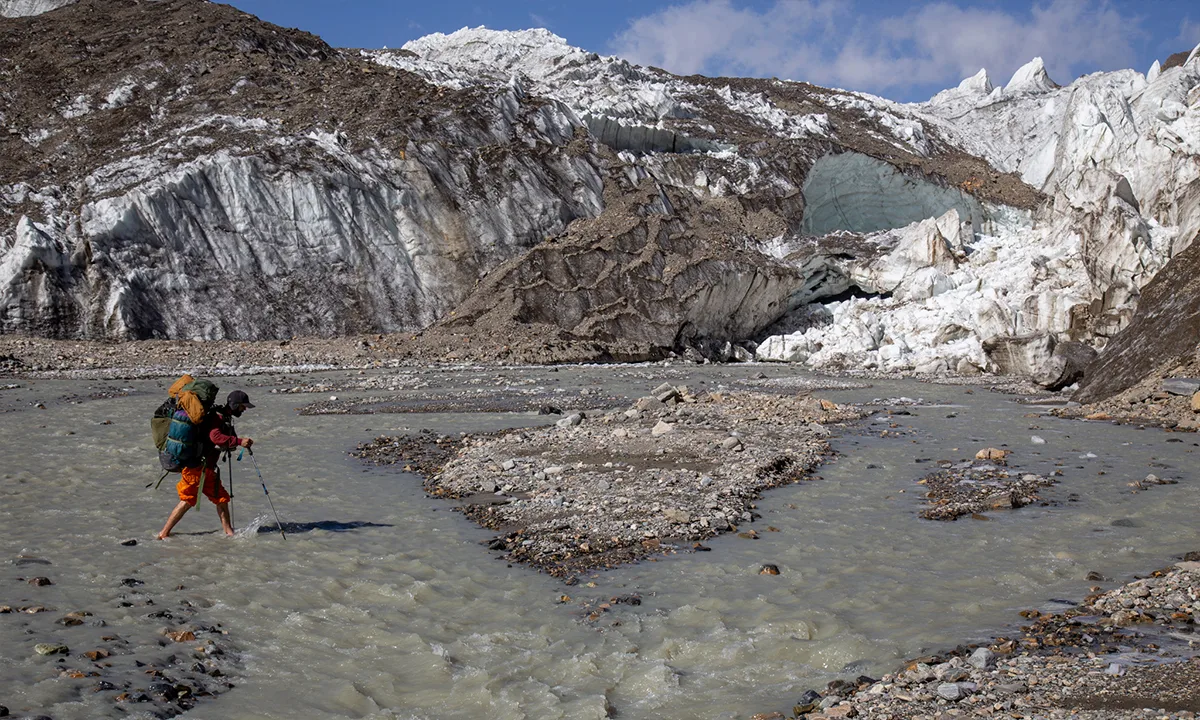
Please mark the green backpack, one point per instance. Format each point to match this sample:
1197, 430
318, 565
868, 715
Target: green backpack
175, 424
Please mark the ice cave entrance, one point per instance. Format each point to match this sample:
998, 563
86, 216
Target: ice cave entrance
855, 192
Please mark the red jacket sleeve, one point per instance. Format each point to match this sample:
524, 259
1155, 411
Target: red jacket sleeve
221, 440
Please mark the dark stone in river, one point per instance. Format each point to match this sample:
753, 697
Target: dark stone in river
40, 581
23, 561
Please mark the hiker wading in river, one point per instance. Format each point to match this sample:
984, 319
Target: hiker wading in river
217, 434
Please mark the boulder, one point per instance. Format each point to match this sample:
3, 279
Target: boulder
1181, 386
1028, 355
1067, 365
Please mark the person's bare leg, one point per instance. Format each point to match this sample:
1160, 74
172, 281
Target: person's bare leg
175, 516
223, 513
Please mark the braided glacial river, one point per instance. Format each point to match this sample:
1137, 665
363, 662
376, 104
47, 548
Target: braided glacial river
384, 603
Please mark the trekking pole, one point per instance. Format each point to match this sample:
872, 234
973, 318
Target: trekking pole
229, 465
265, 492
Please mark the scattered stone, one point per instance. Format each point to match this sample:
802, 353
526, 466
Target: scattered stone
678, 516
976, 489
180, 635
982, 658
769, 569
662, 428
130, 542
949, 691
991, 454
40, 581
51, 649
1037, 440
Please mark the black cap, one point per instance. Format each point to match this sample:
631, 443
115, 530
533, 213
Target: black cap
237, 397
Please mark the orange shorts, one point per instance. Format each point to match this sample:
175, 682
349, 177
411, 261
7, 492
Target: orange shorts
213, 489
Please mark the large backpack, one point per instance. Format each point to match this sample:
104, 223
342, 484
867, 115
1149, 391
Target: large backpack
176, 423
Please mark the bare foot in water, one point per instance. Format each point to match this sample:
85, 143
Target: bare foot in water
163, 535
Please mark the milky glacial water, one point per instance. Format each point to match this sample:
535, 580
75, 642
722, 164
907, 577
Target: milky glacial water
384, 603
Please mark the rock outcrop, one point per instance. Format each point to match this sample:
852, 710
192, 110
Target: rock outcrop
1164, 331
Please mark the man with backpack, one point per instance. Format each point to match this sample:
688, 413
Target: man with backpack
212, 435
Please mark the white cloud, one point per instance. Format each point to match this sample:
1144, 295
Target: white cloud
829, 43
539, 21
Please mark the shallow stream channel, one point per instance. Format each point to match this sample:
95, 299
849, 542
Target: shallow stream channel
385, 603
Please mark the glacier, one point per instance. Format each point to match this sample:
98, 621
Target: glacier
512, 180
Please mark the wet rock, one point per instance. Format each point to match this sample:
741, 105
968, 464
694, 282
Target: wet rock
130, 542
3, 711
23, 560
51, 649
549, 410
808, 702
991, 454
40, 581
131, 582
768, 569
74, 618
180, 635
163, 691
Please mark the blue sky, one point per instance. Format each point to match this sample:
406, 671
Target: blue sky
901, 50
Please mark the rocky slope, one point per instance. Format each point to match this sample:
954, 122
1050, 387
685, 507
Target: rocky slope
183, 170
211, 176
